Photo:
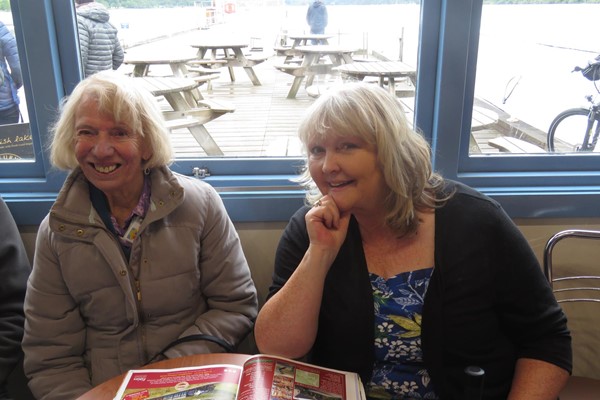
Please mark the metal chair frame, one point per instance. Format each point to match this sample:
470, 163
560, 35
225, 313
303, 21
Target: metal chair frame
576, 387
581, 293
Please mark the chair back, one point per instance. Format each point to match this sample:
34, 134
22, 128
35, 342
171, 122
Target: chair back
572, 287
573, 271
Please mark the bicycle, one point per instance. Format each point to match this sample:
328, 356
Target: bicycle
574, 124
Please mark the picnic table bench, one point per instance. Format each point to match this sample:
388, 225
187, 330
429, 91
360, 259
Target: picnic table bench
203, 75
387, 72
187, 110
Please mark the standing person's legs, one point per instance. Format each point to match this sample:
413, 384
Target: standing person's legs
316, 31
10, 115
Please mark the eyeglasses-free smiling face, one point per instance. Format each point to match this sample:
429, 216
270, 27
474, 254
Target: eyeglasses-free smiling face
346, 169
109, 154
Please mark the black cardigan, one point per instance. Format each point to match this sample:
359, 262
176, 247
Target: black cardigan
488, 302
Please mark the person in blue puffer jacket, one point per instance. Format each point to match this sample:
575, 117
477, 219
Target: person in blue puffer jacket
11, 78
317, 17
98, 41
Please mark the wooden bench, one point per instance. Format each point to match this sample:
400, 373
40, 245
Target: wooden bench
299, 70
194, 120
291, 56
283, 50
207, 63
210, 63
256, 59
199, 69
218, 105
203, 77
513, 145
206, 111
292, 69
201, 65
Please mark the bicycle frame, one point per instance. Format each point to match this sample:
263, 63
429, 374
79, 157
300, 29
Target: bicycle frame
559, 127
593, 116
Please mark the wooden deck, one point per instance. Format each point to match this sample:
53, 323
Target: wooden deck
265, 121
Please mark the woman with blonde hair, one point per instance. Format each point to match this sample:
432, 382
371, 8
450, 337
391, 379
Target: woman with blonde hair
402, 276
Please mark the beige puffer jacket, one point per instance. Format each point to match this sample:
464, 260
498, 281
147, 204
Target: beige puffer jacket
84, 321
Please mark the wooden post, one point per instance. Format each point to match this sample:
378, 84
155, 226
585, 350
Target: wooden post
401, 39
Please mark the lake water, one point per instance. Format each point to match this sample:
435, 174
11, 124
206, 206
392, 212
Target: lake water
378, 27
536, 46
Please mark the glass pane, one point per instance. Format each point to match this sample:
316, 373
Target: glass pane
526, 78
15, 137
251, 109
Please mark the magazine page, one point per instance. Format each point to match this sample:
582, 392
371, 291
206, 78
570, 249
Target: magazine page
276, 378
206, 382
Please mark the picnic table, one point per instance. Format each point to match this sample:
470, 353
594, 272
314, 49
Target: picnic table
188, 111
177, 64
142, 63
300, 40
385, 71
316, 60
218, 53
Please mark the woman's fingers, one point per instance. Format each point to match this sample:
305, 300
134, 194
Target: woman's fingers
326, 210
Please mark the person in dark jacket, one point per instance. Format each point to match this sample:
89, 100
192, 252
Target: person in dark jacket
403, 276
14, 270
98, 41
10, 79
316, 17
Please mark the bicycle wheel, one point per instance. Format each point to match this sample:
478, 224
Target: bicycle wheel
569, 131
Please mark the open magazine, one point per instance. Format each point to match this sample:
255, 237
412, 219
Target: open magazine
262, 377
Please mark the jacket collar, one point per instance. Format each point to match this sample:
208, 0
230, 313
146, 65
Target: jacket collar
73, 204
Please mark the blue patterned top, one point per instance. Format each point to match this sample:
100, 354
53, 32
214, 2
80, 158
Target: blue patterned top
399, 372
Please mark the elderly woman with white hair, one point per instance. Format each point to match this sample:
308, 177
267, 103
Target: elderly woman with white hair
134, 263
402, 276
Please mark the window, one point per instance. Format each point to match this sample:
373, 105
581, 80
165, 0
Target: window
16, 144
29, 186
527, 185
258, 188
15, 136
525, 62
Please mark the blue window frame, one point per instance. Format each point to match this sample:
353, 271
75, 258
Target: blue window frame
29, 187
261, 190
528, 186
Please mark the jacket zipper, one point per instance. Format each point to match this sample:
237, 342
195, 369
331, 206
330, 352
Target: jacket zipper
138, 292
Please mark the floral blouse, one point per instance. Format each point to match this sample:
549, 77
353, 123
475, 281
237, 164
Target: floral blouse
399, 372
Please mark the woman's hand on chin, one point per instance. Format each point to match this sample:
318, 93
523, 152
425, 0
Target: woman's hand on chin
327, 225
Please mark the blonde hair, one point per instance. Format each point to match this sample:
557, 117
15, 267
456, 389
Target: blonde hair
128, 103
404, 156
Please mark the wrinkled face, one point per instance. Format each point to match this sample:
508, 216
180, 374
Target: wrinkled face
346, 168
109, 154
